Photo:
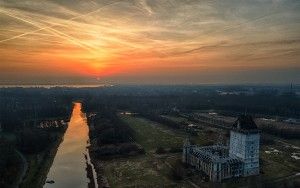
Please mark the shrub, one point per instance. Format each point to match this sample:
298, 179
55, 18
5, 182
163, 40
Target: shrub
175, 150
178, 170
160, 150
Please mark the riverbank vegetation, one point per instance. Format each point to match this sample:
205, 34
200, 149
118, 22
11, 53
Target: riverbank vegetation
10, 164
111, 136
33, 122
40, 161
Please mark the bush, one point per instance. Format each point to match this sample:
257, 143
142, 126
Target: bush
208, 143
107, 150
175, 150
107, 136
9, 164
266, 141
110, 129
33, 141
178, 170
129, 148
160, 150
121, 149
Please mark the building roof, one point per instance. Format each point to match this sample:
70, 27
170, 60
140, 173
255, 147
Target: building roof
214, 153
244, 122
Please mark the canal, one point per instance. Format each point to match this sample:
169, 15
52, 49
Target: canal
69, 165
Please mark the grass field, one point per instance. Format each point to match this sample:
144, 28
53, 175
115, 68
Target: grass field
152, 170
278, 165
204, 136
142, 171
175, 118
149, 170
152, 135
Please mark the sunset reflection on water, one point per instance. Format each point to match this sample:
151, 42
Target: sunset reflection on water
69, 167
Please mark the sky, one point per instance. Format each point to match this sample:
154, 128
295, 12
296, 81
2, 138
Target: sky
149, 41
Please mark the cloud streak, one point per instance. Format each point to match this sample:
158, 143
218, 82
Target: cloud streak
110, 38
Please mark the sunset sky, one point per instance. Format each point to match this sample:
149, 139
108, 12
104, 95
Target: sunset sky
149, 41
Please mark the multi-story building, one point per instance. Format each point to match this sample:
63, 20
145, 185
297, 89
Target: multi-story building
241, 158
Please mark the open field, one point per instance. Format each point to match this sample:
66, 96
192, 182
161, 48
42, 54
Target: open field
149, 170
274, 165
152, 135
206, 135
278, 164
155, 170
142, 171
175, 118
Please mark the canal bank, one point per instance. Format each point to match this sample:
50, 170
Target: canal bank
70, 165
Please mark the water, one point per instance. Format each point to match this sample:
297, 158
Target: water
69, 166
56, 86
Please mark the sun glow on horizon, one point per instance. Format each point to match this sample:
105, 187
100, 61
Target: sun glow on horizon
132, 38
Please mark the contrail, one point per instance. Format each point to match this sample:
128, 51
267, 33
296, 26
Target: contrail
53, 31
227, 29
49, 27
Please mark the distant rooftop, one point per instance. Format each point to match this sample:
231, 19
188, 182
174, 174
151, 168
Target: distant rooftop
244, 122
